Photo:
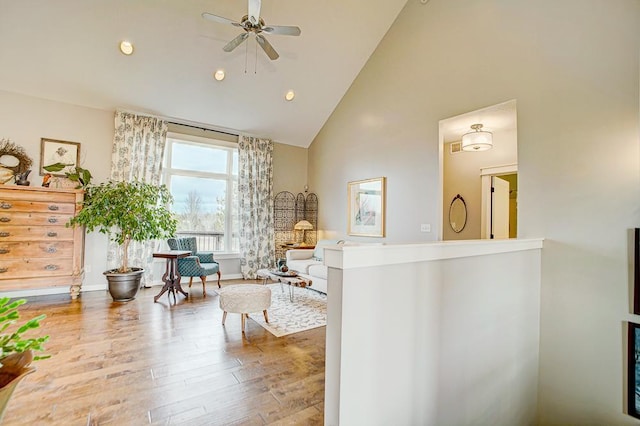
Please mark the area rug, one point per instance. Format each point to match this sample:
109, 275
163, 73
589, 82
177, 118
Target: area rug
308, 310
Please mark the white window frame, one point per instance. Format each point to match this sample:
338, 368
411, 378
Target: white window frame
231, 147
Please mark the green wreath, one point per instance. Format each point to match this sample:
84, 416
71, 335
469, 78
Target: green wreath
10, 149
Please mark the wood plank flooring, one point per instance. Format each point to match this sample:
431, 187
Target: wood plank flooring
141, 362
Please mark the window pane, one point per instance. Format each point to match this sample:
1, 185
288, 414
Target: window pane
234, 170
199, 158
199, 204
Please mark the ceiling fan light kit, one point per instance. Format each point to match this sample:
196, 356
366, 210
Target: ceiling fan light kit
477, 140
252, 23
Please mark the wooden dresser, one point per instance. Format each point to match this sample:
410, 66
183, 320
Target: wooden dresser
37, 250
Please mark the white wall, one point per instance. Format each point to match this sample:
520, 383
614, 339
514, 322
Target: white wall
572, 67
289, 168
420, 336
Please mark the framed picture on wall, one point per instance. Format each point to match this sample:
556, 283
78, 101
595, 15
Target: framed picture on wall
633, 370
54, 151
366, 205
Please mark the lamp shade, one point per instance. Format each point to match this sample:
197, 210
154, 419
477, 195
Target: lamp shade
477, 140
303, 225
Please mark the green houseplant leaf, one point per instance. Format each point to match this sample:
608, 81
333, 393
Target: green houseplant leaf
80, 175
127, 211
14, 341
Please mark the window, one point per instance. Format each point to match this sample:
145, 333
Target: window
201, 173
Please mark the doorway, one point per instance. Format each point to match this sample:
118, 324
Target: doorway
467, 174
499, 202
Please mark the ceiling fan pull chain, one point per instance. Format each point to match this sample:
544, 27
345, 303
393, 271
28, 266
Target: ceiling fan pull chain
246, 57
255, 64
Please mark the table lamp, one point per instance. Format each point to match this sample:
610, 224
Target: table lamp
303, 226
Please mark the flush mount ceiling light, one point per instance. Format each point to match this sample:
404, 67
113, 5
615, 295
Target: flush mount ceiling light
219, 75
478, 140
126, 47
290, 95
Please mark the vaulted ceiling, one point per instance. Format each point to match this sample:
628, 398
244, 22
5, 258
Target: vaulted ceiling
67, 51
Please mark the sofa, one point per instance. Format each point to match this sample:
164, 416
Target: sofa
310, 264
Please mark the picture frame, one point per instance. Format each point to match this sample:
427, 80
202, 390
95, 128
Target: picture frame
366, 201
633, 370
56, 151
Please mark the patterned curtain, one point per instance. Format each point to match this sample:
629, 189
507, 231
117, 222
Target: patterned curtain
138, 148
255, 193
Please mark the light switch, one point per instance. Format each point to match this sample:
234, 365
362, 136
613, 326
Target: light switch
425, 227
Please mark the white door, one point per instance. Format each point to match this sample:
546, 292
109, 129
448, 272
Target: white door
499, 208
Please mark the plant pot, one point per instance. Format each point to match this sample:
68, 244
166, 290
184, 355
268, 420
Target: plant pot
124, 286
12, 375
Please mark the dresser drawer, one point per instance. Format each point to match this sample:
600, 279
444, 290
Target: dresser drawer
29, 249
30, 267
8, 196
25, 218
7, 205
35, 233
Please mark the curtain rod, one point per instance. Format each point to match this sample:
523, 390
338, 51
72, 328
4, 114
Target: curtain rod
203, 128
171, 121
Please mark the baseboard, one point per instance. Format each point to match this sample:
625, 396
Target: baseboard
87, 288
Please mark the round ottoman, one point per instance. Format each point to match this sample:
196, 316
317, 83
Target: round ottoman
244, 298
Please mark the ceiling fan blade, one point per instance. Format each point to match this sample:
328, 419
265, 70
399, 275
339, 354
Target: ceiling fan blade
282, 30
266, 46
254, 11
219, 19
235, 42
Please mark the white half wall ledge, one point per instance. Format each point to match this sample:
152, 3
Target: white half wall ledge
368, 255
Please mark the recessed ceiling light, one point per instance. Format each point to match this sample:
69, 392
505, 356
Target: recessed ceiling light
290, 95
126, 47
219, 75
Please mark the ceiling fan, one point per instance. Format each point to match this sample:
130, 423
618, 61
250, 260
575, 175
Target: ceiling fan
253, 23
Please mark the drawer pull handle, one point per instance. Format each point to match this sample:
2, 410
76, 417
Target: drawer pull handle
4, 250
3, 270
51, 249
51, 267
52, 234
4, 234
54, 208
53, 220
5, 205
5, 219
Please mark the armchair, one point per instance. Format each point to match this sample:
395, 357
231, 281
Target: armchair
199, 264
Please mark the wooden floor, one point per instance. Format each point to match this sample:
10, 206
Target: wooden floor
141, 362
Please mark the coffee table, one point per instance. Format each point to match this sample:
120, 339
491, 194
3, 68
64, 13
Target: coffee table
291, 280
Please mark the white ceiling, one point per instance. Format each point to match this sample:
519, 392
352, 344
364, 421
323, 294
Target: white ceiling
67, 50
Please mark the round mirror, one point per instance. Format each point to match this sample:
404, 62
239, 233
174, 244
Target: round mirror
457, 214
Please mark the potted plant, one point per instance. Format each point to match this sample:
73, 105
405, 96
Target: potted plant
78, 174
126, 211
16, 352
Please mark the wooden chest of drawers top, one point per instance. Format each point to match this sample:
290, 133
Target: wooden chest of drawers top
30, 198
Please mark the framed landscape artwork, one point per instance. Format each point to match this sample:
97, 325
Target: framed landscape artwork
633, 370
366, 205
53, 151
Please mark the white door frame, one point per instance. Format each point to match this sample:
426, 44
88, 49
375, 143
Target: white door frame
485, 212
